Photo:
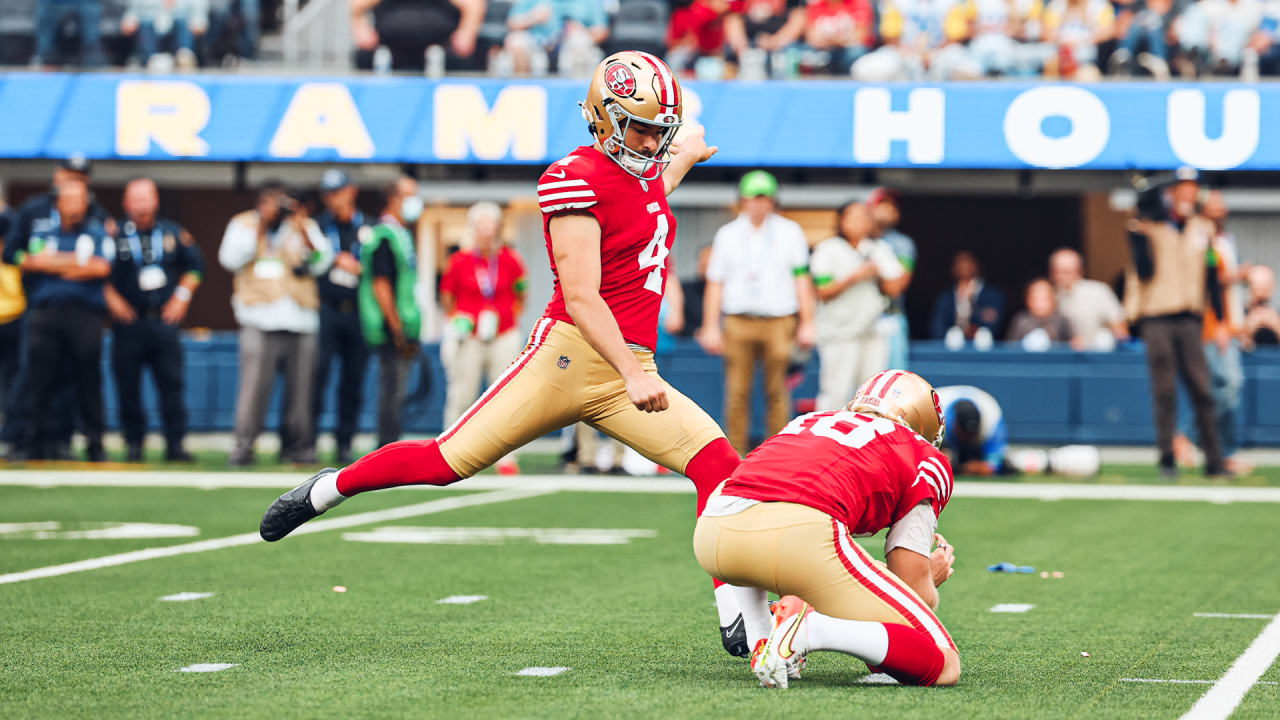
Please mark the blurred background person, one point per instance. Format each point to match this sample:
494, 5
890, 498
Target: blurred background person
970, 306
1223, 323
407, 28
694, 291
341, 339
1165, 283
838, 32
482, 294
13, 303
275, 253
1040, 325
50, 18
855, 275
886, 213
696, 31
758, 278
156, 271
170, 26
1096, 318
1261, 320
1215, 33
977, 438
39, 214
64, 268
389, 311
1146, 43
769, 26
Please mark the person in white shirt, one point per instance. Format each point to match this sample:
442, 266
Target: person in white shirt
1097, 320
758, 278
275, 252
855, 275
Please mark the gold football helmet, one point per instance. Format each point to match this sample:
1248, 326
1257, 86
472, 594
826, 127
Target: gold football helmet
905, 398
627, 87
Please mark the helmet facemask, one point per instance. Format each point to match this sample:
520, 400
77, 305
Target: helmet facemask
634, 162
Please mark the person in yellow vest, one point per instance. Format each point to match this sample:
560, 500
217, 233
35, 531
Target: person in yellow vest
275, 252
12, 304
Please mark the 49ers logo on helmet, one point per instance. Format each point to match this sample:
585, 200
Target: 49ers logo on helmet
620, 80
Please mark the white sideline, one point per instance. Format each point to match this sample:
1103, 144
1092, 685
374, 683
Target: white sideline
1185, 682
589, 483
1222, 699
375, 516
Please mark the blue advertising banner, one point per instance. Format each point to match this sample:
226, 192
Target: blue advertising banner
1010, 125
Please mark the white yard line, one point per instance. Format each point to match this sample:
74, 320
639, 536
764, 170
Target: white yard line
610, 484
1236, 616
1185, 682
1221, 699
315, 526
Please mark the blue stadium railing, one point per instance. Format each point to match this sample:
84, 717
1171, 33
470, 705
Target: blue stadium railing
1054, 397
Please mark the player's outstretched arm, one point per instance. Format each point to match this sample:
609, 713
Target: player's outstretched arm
575, 245
691, 150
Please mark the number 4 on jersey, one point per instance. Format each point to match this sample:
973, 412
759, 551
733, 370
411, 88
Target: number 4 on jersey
654, 256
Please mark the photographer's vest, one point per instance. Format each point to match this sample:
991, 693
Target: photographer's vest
400, 242
1178, 283
270, 275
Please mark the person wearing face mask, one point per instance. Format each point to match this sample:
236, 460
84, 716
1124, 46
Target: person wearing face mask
389, 311
275, 252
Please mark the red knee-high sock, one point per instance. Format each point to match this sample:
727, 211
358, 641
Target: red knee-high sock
408, 462
913, 657
710, 467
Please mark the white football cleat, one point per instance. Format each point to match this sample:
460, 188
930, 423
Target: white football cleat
781, 656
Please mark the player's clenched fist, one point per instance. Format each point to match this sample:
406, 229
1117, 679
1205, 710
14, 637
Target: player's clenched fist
647, 393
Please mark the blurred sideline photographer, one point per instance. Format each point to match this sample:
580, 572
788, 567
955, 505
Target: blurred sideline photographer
64, 263
347, 231
1165, 290
156, 271
389, 310
275, 253
855, 275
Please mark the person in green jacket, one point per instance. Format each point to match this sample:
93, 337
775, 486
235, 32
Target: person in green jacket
389, 313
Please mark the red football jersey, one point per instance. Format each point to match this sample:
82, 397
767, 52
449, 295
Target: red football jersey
863, 470
478, 284
636, 232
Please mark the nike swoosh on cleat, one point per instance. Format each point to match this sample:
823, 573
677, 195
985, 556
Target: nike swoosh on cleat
733, 628
791, 636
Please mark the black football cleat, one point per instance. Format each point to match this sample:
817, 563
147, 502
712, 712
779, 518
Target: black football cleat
290, 510
734, 638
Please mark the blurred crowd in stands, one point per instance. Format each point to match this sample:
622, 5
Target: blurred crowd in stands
872, 40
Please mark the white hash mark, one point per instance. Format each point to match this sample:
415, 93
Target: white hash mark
1012, 608
1237, 616
461, 599
207, 667
542, 671
185, 596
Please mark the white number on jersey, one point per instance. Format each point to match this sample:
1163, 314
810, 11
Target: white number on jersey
654, 256
862, 429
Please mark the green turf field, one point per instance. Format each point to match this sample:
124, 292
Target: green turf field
633, 621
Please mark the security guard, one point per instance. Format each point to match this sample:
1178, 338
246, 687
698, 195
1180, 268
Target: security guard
157, 269
39, 212
347, 229
64, 265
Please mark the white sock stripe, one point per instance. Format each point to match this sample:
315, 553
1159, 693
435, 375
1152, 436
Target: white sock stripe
561, 184
947, 482
903, 598
583, 193
535, 341
567, 206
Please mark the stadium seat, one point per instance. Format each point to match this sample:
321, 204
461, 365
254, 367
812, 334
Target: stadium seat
639, 25
17, 31
493, 31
